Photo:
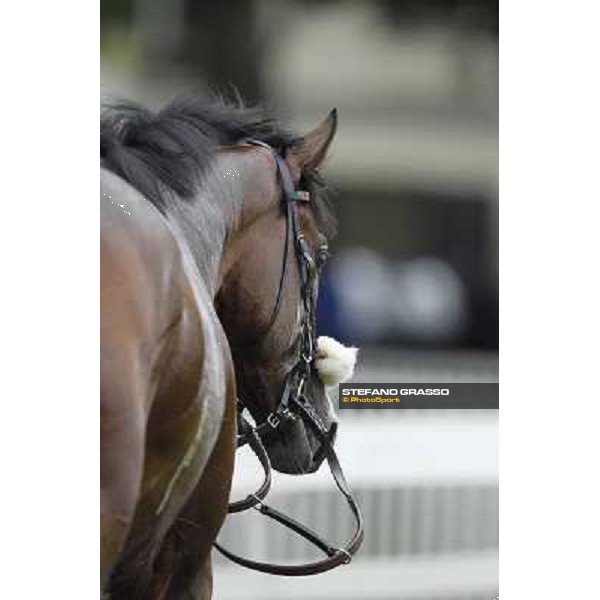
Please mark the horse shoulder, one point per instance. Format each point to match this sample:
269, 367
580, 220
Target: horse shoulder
137, 307
166, 368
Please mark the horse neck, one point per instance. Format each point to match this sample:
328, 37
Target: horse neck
211, 220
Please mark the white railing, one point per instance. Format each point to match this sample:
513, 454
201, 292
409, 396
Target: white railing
428, 488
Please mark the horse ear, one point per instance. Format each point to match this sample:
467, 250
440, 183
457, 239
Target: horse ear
311, 150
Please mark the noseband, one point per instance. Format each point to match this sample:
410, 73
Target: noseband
294, 404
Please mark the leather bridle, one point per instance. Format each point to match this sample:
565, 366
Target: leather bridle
294, 404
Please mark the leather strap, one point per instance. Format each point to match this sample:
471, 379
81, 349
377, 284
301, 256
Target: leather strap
257, 447
336, 556
289, 195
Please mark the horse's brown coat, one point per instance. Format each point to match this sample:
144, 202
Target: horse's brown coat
168, 383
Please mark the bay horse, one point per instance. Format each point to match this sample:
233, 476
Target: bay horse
196, 312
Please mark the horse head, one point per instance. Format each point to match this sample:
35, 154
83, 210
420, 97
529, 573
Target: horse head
267, 300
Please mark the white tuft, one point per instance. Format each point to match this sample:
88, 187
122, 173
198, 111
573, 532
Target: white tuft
335, 362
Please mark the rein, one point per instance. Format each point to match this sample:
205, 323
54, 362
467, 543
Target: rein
294, 405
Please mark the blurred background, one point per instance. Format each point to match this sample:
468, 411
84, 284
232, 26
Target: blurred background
413, 280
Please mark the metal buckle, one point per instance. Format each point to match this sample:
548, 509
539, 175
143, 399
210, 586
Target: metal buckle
300, 195
348, 556
300, 386
273, 420
259, 503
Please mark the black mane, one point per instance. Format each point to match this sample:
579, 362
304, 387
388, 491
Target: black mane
166, 152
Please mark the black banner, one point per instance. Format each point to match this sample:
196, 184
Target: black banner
418, 395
